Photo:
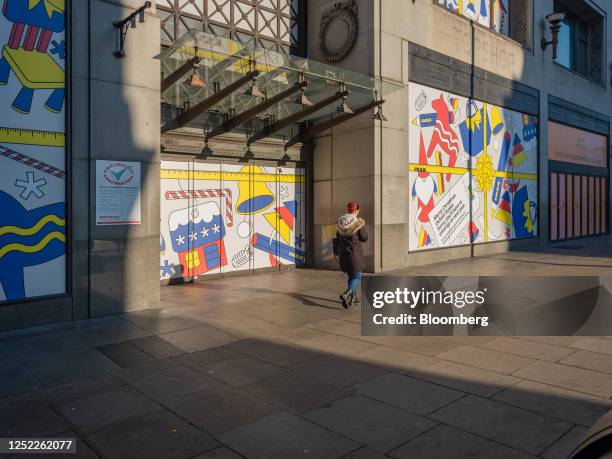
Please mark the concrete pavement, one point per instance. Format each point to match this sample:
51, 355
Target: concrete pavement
271, 366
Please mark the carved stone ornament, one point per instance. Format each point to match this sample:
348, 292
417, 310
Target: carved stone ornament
338, 31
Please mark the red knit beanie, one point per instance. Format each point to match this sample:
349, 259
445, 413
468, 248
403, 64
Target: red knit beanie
352, 207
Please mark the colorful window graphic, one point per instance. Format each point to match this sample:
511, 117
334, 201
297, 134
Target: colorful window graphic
32, 153
473, 171
488, 13
218, 218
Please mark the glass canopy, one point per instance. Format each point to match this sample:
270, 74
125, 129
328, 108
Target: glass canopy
265, 86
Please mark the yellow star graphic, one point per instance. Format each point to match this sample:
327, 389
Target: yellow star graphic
50, 5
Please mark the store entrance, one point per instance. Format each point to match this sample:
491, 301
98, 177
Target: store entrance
578, 205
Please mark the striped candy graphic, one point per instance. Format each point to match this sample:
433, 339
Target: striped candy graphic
27, 160
207, 193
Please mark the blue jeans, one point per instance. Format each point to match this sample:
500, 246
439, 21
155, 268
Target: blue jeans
353, 282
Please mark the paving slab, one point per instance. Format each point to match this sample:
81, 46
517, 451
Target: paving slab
535, 350
72, 336
200, 359
590, 361
380, 426
71, 366
408, 393
29, 418
520, 429
92, 413
78, 389
394, 359
284, 435
279, 354
485, 359
365, 453
337, 345
286, 317
418, 344
225, 320
16, 378
241, 372
198, 338
329, 325
554, 340
348, 329
220, 453
444, 442
294, 335
466, 379
467, 340
553, 401
159, 320
589, 343
337, 371
578, 379
156, 347
220, 409
158, 435
564, 447
171, 382
293, 392
83, 451
138, 371
125, 354
354, 317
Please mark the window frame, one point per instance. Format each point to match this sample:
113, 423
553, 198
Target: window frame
560, 7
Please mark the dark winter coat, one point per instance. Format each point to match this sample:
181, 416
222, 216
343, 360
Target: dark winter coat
348, 243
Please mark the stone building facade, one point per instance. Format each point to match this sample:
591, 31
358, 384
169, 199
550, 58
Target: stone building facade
488, 144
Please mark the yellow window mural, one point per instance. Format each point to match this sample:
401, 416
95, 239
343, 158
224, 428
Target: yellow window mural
473, 171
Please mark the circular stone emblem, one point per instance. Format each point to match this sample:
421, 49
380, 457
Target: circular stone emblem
338, 31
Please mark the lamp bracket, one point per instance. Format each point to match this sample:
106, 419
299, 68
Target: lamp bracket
125, 24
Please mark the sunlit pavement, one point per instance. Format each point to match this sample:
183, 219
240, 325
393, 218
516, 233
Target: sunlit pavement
271, 366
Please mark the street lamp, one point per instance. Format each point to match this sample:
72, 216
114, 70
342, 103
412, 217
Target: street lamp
555, 20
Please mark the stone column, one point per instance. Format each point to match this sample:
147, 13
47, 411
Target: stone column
124, 124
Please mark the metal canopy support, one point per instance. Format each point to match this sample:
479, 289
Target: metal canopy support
280, 124
207, 103
320, 127
179, 73
231, 123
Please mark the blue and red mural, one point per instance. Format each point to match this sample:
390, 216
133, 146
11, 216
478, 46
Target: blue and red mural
32, 149
473, 171
218, 218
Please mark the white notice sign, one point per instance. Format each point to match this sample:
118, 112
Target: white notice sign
117, 193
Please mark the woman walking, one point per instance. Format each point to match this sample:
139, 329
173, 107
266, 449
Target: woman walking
348, 251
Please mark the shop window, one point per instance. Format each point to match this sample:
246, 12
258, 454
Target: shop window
580, 46
510, 18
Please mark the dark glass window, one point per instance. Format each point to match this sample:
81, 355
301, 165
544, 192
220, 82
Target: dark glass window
580, 45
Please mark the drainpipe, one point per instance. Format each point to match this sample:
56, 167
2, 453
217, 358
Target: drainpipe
381, 127
89, 195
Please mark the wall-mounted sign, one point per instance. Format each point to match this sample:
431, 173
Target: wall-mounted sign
117, 193
576, 146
